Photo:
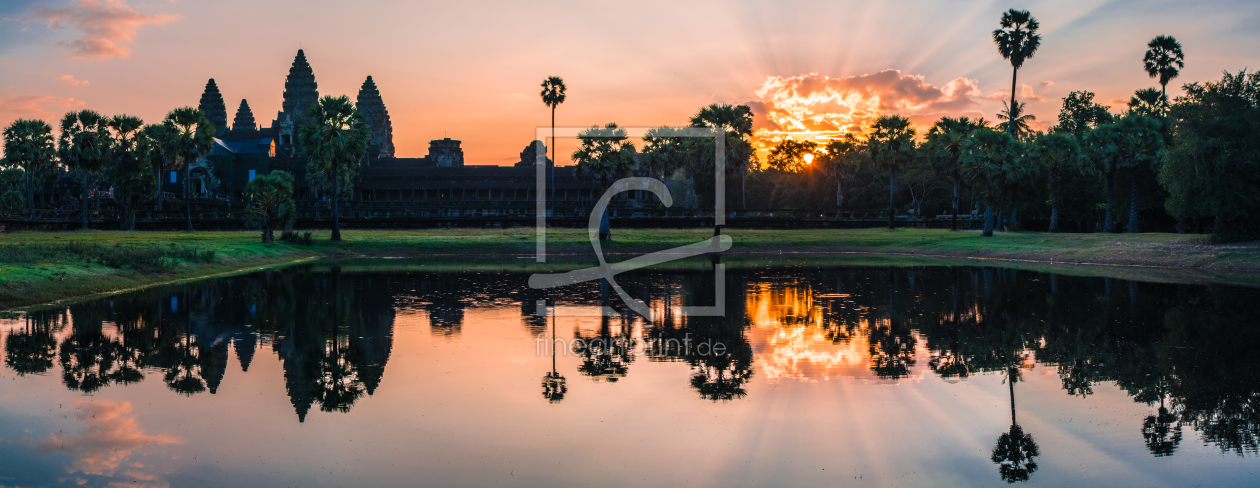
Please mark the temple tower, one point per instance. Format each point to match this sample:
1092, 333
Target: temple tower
445, 153
373, 108
243, 126
300, 93
212, 105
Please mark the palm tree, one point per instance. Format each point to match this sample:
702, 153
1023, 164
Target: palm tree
1142, 147
127, 150
1017, 41
1055, 150
842, 160
336, 139
553, 383
607, 153
28, 144
194, 135
1015, 449
995, 161
1149, 101
84, 146
30, 350
663, 153
162, 148
736, 122
552, 96
1016, 121
1164, 59
891, 136
943, 146
271, 203
1100, 155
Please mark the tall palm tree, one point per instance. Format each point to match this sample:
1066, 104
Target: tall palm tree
1055, 150
553, 383
552, 96
84, 146
127, 150
736, 122
943, 146
28, 144
336, 139
1015, 120
162, 148
891, 137
1015, 449
1164, 59
194, 135
1017, 41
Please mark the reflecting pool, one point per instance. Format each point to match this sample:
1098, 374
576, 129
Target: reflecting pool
324, 375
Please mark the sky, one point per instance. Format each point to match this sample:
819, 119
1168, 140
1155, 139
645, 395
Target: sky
471, 70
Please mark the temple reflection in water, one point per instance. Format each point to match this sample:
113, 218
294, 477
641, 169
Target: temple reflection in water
1186, 351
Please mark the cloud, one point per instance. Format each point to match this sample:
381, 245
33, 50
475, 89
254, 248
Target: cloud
106, 441
1046, 84
69, 79
1025, 94
106, 27
828, 106
45, 107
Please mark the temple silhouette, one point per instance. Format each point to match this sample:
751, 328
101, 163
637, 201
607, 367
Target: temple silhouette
244, 150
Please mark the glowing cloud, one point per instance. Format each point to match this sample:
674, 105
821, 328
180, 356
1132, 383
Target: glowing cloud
69, 79
820, 107
106, 441
106, 27
1025, 94
44, 107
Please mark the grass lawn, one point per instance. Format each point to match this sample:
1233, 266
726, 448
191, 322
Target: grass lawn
1145, 256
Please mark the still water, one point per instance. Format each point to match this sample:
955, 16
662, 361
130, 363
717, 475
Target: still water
817, 375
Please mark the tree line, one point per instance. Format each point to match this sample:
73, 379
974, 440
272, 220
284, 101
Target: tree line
128, 157
1186, 164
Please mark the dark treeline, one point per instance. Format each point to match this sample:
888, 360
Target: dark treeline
94, 155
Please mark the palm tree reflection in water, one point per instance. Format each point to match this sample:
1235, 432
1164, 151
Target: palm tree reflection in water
1015, 449
1187, 351
553, 384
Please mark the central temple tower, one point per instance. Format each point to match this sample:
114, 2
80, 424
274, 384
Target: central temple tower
300, 93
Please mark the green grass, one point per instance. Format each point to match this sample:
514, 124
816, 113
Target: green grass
39, 267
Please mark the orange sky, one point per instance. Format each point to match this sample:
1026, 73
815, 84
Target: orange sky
470, 71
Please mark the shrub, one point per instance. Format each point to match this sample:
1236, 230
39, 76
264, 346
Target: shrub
289, 236
140, 257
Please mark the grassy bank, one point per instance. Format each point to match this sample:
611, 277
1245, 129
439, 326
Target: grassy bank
38, 267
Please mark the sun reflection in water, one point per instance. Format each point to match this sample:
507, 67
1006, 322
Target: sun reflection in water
793, 337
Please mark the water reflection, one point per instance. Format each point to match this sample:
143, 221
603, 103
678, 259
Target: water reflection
1186, 351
